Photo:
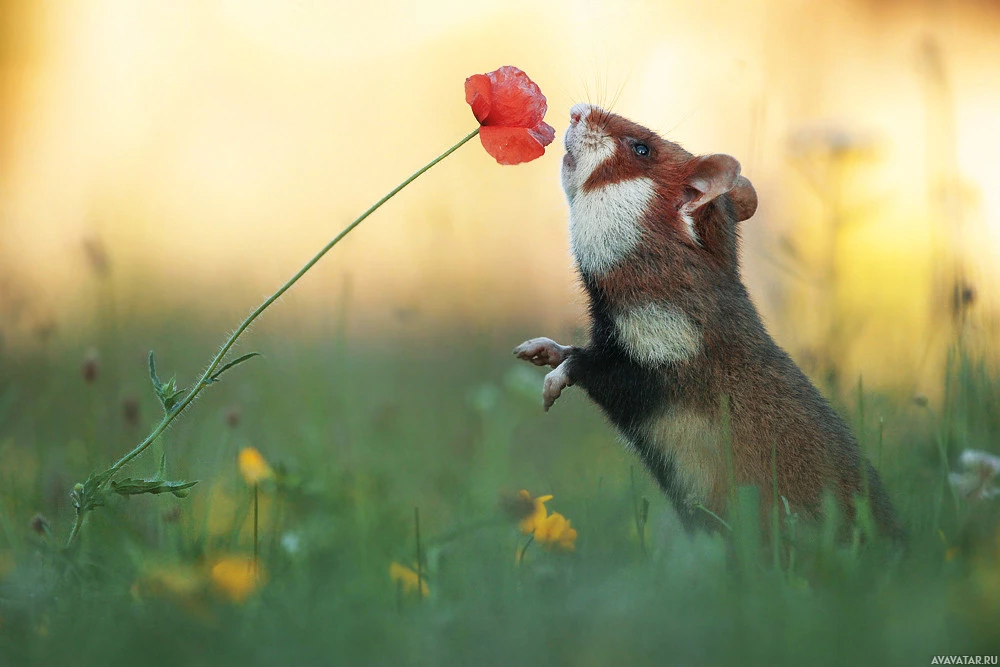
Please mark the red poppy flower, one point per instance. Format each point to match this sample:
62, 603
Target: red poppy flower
510, 107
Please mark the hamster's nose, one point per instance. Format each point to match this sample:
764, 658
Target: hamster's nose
578, 112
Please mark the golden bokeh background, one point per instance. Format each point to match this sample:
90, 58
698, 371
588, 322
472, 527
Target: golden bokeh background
189, 156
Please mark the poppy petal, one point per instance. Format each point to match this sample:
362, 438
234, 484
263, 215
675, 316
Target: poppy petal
511, 145
479, 95
517, 101
543, 133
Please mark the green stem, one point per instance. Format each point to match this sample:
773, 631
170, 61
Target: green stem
76, 528
256, 513
718, 518
204, 381
420, 570
524, 549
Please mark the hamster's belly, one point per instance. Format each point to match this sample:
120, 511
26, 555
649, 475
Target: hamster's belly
694, 445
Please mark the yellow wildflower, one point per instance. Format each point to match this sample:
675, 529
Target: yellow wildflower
218, 512
184, 585
253, 467
537, 511
175, 581
235, 578
408, 576
555, 532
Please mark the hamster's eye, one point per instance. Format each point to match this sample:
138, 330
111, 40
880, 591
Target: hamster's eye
642, 150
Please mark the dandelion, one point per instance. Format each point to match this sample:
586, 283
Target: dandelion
978, 476
407, 578
532, 510
254, 467
555, 532
236, 577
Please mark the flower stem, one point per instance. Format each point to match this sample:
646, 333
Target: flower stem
524, 549
420, 571
256, 513
205, 377
718, 518
77, 524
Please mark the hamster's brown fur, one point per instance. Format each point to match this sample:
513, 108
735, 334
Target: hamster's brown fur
676, 339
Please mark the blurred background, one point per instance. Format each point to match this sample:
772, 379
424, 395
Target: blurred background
179, 160
166, 165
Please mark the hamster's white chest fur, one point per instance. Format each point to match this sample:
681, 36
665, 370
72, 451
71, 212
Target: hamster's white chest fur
605, 223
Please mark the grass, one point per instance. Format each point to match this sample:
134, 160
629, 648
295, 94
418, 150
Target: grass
361, 434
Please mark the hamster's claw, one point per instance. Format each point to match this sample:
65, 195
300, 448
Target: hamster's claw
542, 352
554, 383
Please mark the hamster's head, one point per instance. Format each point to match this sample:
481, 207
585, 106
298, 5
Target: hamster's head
629, 188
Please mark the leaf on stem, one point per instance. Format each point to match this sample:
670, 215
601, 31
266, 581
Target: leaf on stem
134, 487
231, 364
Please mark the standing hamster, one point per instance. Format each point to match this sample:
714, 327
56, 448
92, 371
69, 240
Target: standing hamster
675, 338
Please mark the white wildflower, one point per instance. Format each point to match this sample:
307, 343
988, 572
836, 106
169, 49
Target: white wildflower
978, 477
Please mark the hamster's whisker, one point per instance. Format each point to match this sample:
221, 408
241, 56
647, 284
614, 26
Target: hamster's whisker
618, 94
605, 119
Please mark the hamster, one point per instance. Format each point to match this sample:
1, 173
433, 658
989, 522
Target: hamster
678, 354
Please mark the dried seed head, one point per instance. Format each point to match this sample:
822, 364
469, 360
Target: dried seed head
97, 256
130, 411
44, 329
91, 366
963, 297
39, 525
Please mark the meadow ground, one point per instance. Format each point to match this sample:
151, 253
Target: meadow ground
360, 434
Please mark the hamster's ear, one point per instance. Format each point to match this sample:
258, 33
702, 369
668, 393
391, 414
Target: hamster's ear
744, 199
710, 176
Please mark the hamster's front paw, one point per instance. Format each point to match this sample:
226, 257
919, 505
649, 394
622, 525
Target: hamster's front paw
542, 352
554, 383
